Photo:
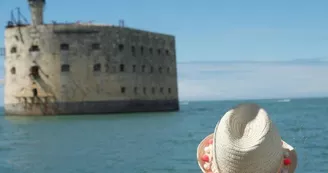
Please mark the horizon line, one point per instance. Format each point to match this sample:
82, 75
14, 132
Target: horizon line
309, 60
253, 99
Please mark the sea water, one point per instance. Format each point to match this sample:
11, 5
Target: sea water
150, 142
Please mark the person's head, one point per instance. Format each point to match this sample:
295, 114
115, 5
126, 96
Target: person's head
246, 141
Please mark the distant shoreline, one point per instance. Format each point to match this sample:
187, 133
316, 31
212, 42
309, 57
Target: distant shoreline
256, 99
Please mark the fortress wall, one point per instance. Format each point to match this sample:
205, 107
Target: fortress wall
26, 47
82, 82
80, 86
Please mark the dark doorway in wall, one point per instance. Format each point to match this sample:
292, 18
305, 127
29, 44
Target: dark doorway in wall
35, 92
34, 71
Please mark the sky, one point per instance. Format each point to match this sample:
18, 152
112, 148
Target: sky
249, 49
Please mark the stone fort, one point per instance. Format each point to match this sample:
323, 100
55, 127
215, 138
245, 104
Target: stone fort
85, 68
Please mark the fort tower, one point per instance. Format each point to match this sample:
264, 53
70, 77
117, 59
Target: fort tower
37, 7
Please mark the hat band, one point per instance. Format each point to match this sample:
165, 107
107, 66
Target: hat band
209, 160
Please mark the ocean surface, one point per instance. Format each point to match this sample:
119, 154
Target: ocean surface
150, 142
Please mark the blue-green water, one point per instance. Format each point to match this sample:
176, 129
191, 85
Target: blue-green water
149, 143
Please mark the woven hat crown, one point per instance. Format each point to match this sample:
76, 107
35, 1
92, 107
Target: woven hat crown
246, 141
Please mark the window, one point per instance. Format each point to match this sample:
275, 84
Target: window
64, 46
34, 72
160, 69
150, 51
133, 51
122, 68
95, 46
134, 68
169, 90
153, 90
143, 68
13, 50
135, 90
151, 69
65, 68
35, 92
144, 90
161, 90
34, 48
141, 50
13, 70
97, 67
121, 47
159, 51
122, 89
167, 52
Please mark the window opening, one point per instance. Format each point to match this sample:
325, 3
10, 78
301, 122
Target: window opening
64, 46
120, 47
34, 48
133, 50
34, 70
95, 46
35, 92
122, 67
65, 68
13, 70
13, 50
97, 67
122, 89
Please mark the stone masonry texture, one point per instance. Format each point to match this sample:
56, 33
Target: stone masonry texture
88, 68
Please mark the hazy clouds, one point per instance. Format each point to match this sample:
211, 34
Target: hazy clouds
230, 80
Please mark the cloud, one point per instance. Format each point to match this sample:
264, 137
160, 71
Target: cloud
252, 80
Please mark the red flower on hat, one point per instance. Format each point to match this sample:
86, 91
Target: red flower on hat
210, 141
287, 162
205, 158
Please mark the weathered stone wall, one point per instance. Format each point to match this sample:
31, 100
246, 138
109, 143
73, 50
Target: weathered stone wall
26, 47
94, 65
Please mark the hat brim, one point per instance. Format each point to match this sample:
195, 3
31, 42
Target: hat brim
204, 143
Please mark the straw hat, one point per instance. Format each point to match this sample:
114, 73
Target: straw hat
246, 141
